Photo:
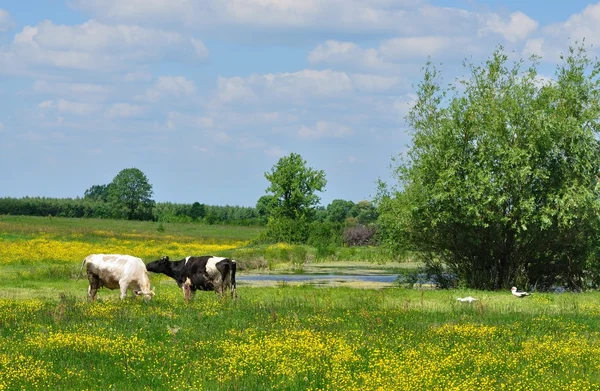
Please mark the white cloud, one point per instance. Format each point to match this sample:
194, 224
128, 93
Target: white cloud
125, 110
5, 21
94, 46
1, 127
583, 25
70, 107
305, 86
275, 152
294, 86
535, 47
517, 28
323, 129
234, 89
170, 87
137, 76
200, 49
419, 47
553, 40
88, 89
334, 16
347, 54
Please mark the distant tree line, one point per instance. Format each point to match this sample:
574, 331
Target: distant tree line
129, 196
161, 211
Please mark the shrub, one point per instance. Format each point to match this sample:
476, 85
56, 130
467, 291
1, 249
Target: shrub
359, 235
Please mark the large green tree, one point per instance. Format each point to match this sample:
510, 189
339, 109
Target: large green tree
293, 186
130, 195
500, 185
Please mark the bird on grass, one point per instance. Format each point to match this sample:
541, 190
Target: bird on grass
467, 299
519, 294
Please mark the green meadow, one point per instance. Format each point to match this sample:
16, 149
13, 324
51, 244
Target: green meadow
285, 337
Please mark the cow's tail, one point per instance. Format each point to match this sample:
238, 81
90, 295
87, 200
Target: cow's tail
82, 265
233, 286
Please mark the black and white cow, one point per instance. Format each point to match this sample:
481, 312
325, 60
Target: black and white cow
116, 271
206, 273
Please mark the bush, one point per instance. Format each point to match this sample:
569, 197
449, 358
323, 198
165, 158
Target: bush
359, 235
323, 234
287, 230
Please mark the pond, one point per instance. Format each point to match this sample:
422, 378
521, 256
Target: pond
364, 281
339, 273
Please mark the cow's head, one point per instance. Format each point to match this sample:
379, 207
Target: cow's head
162, 265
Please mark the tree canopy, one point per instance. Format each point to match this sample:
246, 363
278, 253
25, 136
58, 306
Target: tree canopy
500, 185
293, 206
294, 185
130, 195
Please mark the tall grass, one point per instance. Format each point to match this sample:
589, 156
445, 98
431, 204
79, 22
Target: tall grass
299, 338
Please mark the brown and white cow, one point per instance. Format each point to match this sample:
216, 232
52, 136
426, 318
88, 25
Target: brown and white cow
206, 273
116, 271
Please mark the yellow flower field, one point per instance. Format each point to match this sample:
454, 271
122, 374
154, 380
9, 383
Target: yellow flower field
48, 249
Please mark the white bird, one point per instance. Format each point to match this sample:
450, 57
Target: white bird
467, 299
519, 294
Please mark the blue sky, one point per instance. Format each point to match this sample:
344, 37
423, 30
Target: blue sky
205, 96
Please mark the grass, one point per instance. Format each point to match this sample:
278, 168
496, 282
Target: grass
284, 338
14, 227
298, 338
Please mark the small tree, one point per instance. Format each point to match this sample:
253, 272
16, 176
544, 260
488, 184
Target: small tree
339, 210
294, 186
500, 184
130, 195
197, 211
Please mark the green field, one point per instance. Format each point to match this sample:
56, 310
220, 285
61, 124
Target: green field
284, 337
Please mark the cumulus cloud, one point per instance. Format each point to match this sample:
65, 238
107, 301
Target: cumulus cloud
554, 39
303, 87
70, 107
582, 25
170, 87
518, 27
348, 54
89, 90
333, 16
137, 76
94, 46
422, 46
5, 21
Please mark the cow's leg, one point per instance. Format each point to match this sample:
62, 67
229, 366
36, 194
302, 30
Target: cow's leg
227, 284
123, 286
94, 285
187, 289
